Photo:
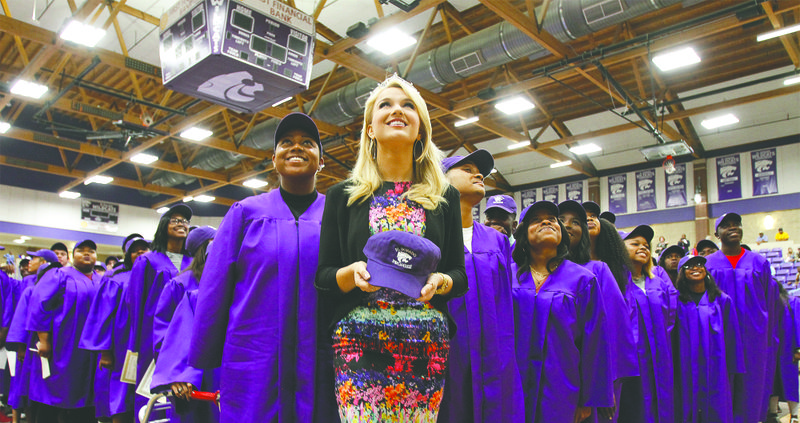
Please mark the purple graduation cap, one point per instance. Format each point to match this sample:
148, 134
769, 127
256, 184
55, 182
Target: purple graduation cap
401, 261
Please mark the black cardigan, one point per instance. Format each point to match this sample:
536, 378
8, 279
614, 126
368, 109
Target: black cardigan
344, 234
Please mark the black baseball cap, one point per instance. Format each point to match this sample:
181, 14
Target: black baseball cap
297, 120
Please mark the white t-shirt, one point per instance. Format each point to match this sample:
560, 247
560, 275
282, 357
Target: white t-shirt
176, 259
467, 238
640, 283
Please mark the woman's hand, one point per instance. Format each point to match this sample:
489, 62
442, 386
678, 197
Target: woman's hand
582, 413
106, 359
182, 390
606, 413
432, 284
45, 349
361, 277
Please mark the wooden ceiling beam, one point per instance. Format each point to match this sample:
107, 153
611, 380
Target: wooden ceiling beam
788, 41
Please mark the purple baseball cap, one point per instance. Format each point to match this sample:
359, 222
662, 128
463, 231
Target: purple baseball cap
181, 208
401, 261
607, 215
198, 236
129, 243
298, 120
541, 204
573, 206
503, 202
482, 158
705, 243
691, 260
100, 264
86, 243
672, 249
727, 216
644, 231
592, 207
48, 255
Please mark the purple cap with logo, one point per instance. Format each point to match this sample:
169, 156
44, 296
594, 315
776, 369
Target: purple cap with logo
198, 236
48, 255
401, 261
691, 260
644, 231
503, 202
727, 216
129, 243
482, 158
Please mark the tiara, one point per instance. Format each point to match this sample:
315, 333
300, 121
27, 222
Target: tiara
392, 78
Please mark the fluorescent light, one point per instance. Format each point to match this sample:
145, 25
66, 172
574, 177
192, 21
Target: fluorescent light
790, 81
720, 121
585, 149
188, 199
23, 237
494, 170
676, 59
514, 105
467, 121
28, 89
519, 145
98, 179
255, 183
205, 198
196, 134
281, 102
560, 164
162, 210
391, 41
144, 158
4, 127
698, 198
778, 32
69, 194
83, 34
19, 241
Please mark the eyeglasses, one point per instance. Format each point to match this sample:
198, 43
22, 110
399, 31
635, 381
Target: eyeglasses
177, 221
693, 266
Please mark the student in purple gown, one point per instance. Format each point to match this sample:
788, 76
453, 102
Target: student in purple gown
745, 277
785, 388
482, 380
106, 331
624, 361
501, 215
58, 306
563, 350
391, 349
150, 273
707, 347
654, 301
259, 314
196, 245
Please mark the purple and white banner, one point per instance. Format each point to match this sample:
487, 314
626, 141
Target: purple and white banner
729, 180
765, 171
575, 191
550, 193
676, 187
528, 197
646, 190
618, 193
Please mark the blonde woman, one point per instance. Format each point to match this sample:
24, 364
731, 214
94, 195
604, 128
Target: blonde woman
390, 348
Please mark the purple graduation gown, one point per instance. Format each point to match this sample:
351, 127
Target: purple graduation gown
482, 381
708, 352
562, 348
787, 385
60, 304
650, 398
170, 296
755, 297
258, 314
173, 365
17, 335
107, 329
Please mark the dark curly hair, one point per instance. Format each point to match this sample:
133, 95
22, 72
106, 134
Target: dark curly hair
611, 250
521, 253
683, 286
581, 253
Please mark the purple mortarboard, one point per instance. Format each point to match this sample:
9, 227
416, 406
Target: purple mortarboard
401, 261
727, 216
198, 236
503, 202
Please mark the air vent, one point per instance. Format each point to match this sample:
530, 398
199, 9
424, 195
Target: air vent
96, 111
602, 11
142, 67
466, 62
362, 99
26, 164
58, 142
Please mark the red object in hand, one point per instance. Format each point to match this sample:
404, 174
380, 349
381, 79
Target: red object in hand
206, 396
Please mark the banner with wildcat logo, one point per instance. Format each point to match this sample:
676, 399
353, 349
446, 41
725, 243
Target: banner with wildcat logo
765, 172
528, 197
618, 194
729, 181
550, 193
646, 190
676, 187
575, 191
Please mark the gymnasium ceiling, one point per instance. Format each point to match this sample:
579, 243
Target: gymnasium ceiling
587, 89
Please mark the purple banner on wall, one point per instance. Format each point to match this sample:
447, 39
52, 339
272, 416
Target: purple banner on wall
618, 193
765, 171
575, 191
646, 190
528, 197
729, 180
550, 193
676, 187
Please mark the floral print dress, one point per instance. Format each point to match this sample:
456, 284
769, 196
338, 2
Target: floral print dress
391, 350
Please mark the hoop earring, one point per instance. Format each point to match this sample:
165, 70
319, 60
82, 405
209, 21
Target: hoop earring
417, 150
373, 149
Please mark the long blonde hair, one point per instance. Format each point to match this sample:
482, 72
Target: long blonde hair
429, 182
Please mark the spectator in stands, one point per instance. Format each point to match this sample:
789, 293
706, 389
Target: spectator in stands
781, 235
684, 243
662, 244
761, 238
790, 257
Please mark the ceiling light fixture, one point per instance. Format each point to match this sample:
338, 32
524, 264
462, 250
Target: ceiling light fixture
391, 41
560, 164
778, 32
255, 183
281, 102
720, 121
791, 81
188, 198
514, 105
4, 127
162, 210
196, 134
69, 194
676, 59
83, 34
28, 89
144, 158
19, 241
24, 237
467, 121
519, 145
404, 5
585, 149
98, 179
203, 198
494, 170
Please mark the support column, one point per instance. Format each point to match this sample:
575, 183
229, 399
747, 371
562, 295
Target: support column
594, 190
701, 208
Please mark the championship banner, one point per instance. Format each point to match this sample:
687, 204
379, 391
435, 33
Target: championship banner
646, 190
729, 180
617, 194
575, 191
676, 187
99, 215
528, 197
765, 171
550, 193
